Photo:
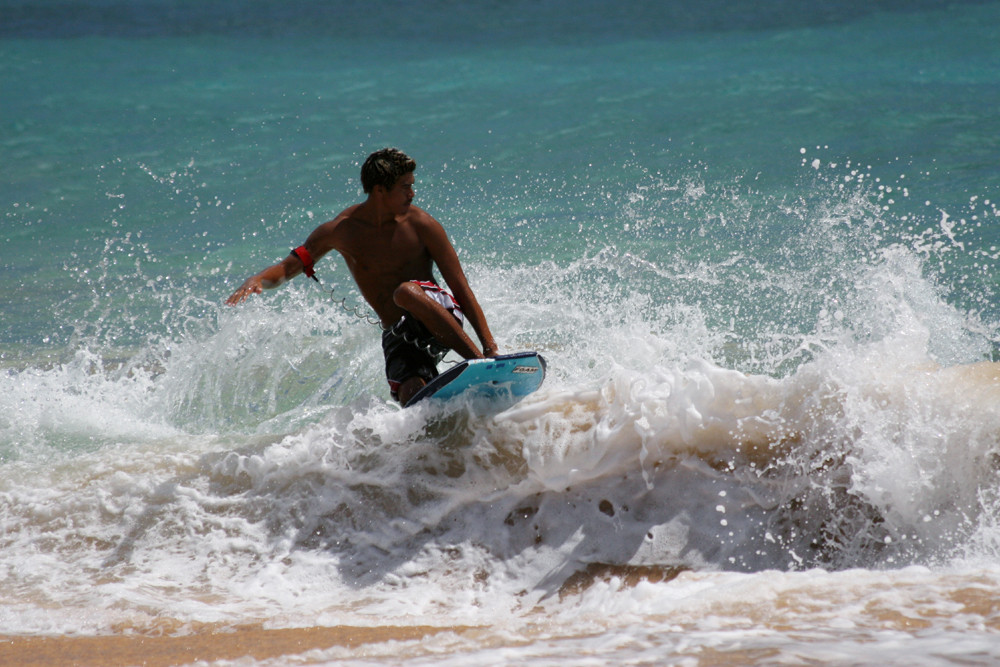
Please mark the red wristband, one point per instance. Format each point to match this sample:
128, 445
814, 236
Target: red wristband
307, 261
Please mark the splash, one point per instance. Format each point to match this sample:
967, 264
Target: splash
739, 382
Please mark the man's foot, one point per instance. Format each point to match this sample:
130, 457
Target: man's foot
409, 389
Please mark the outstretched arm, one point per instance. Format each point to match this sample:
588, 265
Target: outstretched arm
444, 255
271, 277
320, 242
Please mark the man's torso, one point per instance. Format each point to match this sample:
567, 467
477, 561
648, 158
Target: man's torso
381, 257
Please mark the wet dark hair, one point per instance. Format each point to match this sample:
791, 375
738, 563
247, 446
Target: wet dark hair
384, 168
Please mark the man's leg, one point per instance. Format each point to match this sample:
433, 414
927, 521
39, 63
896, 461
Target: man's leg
408, 367
441, 323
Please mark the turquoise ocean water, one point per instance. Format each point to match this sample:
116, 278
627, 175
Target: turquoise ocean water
757, 243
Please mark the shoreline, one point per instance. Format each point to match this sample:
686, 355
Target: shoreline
163, 651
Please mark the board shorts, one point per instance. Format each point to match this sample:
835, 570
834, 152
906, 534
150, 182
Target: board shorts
410, 348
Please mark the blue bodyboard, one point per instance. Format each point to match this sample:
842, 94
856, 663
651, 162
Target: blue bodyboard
502, 380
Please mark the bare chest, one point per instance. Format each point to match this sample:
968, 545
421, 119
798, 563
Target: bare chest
388, 253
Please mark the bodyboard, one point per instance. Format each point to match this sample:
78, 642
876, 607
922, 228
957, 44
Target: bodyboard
502, 380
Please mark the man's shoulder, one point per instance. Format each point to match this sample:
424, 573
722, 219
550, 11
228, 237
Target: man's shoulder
345, 215
331, 234
341, 222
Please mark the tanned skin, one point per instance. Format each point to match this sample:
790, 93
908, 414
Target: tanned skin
387, 242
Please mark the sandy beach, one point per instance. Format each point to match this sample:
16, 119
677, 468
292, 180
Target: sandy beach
251, 642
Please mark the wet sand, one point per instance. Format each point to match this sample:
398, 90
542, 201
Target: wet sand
160, 651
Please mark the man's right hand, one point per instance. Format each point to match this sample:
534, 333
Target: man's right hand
252, 285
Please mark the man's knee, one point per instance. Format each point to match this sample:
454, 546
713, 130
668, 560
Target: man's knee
405, 294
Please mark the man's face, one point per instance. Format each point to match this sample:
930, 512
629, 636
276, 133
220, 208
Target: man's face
399, 197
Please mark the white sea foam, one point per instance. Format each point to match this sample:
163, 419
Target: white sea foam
419, 514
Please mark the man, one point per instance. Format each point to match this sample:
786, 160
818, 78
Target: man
391, 247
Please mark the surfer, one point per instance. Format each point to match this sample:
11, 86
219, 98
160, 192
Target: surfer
390, 247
